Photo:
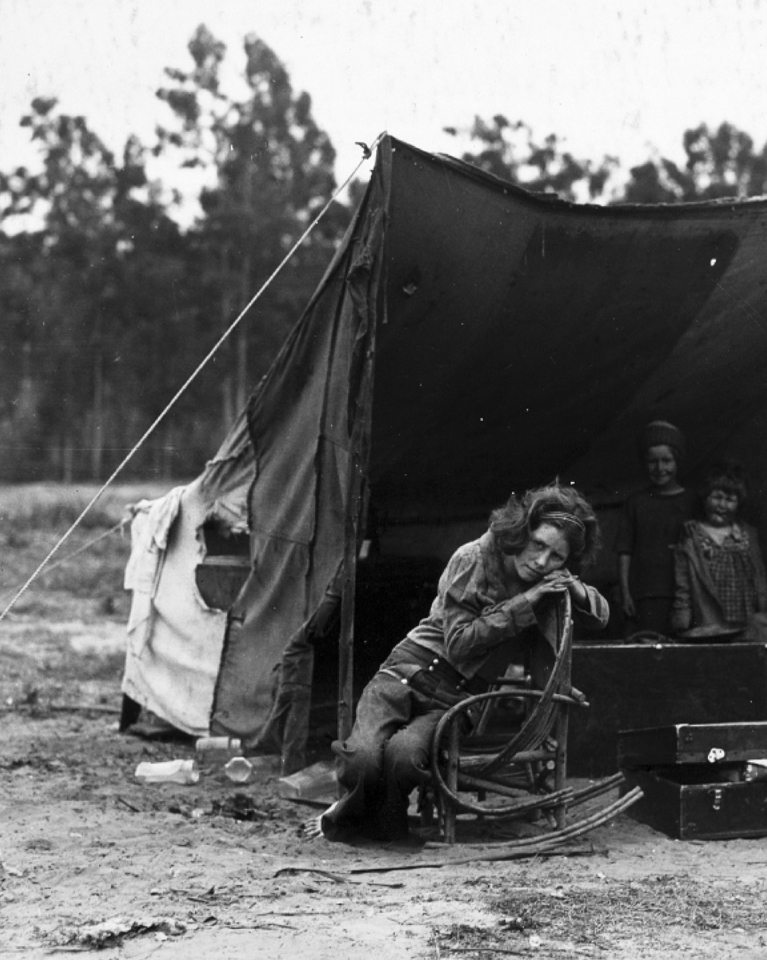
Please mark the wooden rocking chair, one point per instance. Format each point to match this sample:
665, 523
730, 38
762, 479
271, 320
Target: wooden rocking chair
510, 775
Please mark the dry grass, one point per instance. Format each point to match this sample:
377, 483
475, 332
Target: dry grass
594, 917
84, 578
46, 505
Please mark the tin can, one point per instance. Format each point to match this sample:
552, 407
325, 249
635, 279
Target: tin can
218, 748
239, 769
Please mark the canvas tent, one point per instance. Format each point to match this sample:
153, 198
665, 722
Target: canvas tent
469, 338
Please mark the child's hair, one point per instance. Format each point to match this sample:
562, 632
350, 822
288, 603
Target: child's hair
728, 476
662, 433
561, 507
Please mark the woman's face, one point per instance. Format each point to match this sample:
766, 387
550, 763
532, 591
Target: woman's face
721, 508
547, 550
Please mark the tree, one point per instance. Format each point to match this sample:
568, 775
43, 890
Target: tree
72, 275
272, 170
720, 163
510, 151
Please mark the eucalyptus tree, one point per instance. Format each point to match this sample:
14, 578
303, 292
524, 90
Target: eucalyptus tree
720, 163
87, 254
510, 150
267, 169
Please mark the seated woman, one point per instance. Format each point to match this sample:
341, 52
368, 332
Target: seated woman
494, 593
720, 577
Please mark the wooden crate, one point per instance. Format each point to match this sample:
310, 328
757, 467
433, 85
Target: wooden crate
691, 778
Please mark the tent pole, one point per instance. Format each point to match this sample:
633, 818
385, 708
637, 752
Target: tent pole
346, 637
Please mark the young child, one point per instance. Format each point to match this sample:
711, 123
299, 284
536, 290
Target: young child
720, 577
650, 527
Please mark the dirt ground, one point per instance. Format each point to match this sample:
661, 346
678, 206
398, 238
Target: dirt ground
92, 859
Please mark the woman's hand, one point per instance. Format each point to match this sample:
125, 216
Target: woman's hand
552, 583
557, 583
578, 592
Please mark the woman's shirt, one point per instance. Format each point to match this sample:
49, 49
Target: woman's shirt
480, 605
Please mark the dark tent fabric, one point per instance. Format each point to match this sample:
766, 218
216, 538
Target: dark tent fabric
309, 424
528, 337
471, 338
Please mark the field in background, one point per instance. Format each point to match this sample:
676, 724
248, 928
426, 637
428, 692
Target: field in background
88, 585
45, 504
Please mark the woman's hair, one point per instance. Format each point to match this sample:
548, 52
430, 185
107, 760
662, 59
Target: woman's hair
728, 476
561, 507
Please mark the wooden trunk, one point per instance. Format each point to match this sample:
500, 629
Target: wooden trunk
691, 776
634, 686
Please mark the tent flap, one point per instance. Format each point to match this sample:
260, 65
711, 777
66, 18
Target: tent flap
309, 429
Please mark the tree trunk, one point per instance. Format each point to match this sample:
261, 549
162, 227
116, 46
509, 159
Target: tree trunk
67, 456
168, 451
68, 440
226, 355
97, 438
241, 377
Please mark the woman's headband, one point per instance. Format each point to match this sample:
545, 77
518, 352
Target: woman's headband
563, 518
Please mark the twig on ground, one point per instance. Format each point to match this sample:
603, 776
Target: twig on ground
516, 953
68, 949
531, 852
290, 913
255, 926
335, 877
128, 804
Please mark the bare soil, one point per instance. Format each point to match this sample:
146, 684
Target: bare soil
92, 859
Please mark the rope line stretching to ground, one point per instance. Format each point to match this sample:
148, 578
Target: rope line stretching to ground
366, 154
120, 525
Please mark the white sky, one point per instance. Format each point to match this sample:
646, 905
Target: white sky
624, 78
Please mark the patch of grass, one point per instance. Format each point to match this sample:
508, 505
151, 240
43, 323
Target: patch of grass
615, 909
55, 505
84, 578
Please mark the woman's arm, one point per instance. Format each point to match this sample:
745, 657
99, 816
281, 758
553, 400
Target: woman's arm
588, 602
595, 612
471, 630
474, 621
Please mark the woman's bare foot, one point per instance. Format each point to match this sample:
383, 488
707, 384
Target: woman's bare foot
311, 829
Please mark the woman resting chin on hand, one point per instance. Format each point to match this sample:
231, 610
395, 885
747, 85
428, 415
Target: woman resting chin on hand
496, 595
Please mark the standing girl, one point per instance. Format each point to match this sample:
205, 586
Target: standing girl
720, 577
651, 524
